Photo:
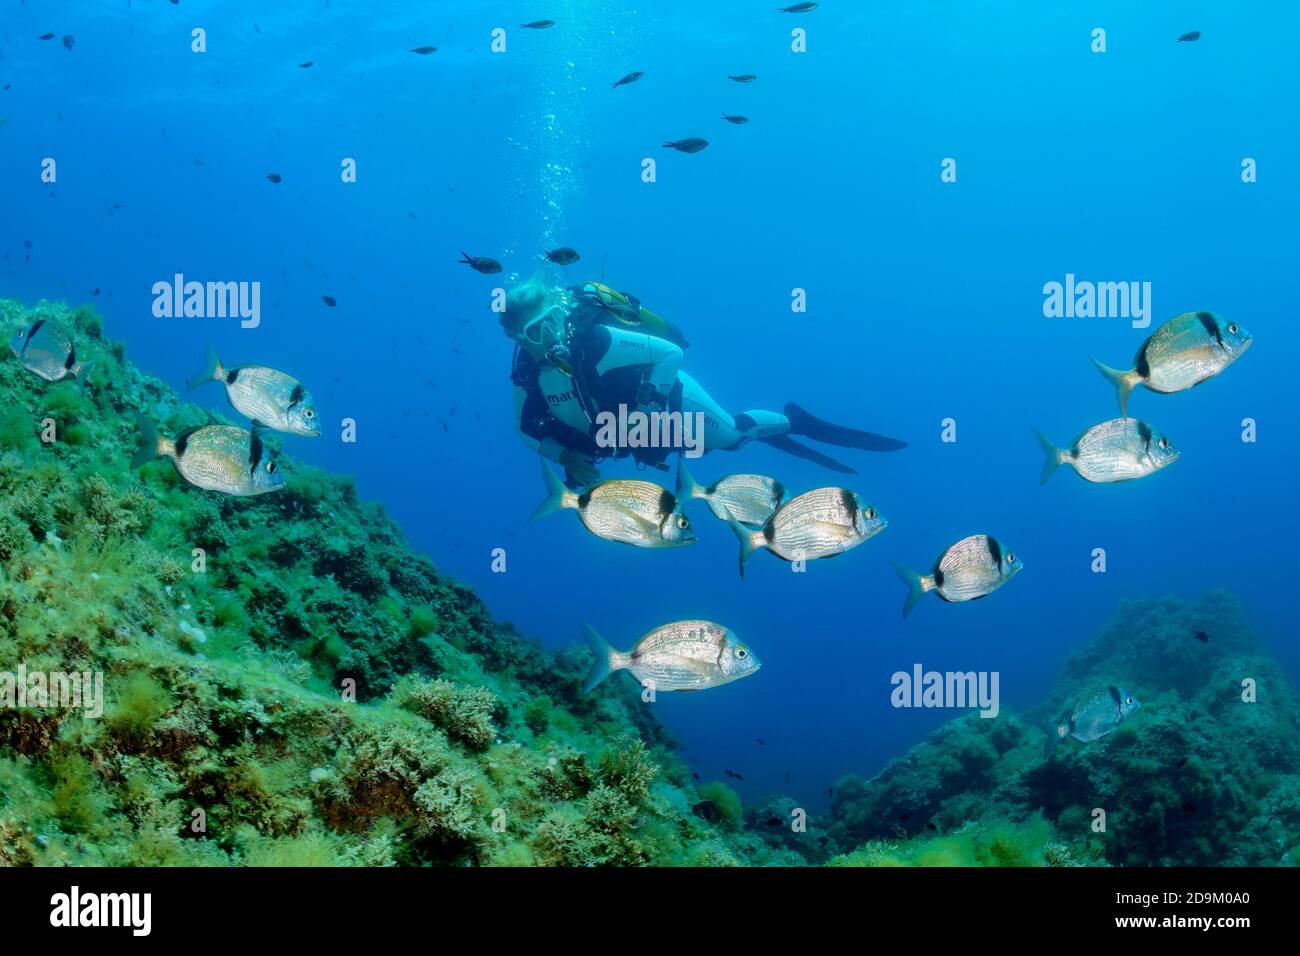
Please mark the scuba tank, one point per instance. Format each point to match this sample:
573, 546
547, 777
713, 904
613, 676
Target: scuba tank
608, 306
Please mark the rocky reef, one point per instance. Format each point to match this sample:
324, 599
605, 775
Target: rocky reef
1206, 773
287, 683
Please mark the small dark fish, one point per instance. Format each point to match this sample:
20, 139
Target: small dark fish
307, 64
1189, 37
1181, 764
744, 78
904, 817
27, 243
693, 773
425, 50
736, 120
931, 826
798, 8
1189, 807
197, 162
774, 821
733, 775
538, 24
329, 300
828, 791
117, 205
46, 36
692, 144
273, 177
630, 78
95, 291
563, 256
787, 776
257, 29
489, 267
1201, 636
760, 741
67, 42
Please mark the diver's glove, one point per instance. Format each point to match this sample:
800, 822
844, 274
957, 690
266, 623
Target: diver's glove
650, 399
579, 469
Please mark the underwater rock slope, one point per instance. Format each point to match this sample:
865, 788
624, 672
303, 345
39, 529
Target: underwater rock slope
226, 630
1199, 776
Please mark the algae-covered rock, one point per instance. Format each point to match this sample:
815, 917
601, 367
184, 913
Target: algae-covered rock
284, 682
1205, 773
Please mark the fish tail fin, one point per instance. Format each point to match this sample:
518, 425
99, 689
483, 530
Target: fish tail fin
687, 488
558, 497
152, 445
917, 586
466, 258
1124, 383
1054, 456
212, 371
749, 541
607, 659
80, 371
1054, 737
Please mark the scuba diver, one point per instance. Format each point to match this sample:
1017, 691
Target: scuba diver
589, 349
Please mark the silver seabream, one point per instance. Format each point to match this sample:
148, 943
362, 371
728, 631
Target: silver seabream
972, 568
1181, 354
265, 396
683, 655
639, 513
1118, 450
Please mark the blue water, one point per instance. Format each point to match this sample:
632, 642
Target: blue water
925, 298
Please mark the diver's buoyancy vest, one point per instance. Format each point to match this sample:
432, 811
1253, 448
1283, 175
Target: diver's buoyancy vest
601, 305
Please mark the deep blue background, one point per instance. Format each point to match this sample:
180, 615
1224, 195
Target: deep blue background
925, 298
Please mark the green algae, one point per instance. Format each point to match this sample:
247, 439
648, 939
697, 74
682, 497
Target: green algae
287, 683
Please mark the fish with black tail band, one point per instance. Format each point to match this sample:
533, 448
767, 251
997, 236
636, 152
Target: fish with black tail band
264, 395
221, 458
683, 655
482, 264
749, 499
972, 568
639, 513
1181, 354
1118, 450
1094, 717
818, 524
48, 350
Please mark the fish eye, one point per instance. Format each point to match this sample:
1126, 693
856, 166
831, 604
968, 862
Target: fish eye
871, 514
682, 522
1128, 700
270, 468
741, 653
309, 413
1164, 443
1233, 328
1011, 557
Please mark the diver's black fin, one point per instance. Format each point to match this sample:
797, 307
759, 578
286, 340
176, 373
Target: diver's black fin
803, 423
792, 447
